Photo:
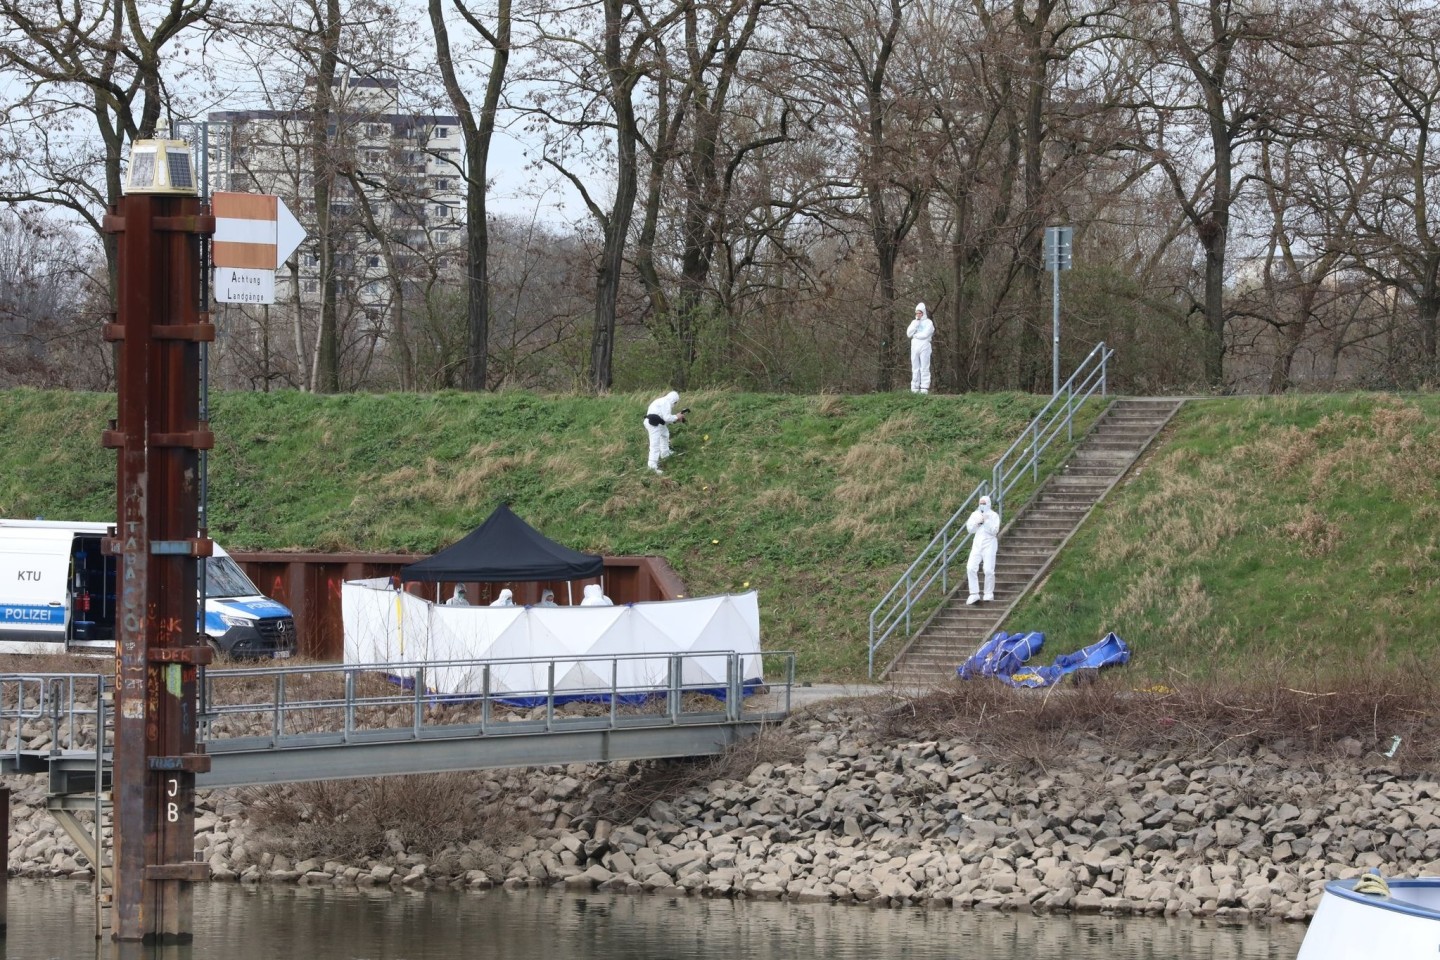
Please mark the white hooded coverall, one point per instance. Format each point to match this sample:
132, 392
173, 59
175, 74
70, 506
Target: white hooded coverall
921, 331
506, 599
595, 597
984, 523
664, 409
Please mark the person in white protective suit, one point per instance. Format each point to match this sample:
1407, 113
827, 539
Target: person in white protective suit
984, 523
657, 424
506, 599
921, 331
595, 597
459, 597
547, 599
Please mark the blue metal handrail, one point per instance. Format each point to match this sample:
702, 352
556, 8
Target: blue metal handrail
896, 609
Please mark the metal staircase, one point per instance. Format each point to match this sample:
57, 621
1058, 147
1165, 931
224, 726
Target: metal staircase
1033, 538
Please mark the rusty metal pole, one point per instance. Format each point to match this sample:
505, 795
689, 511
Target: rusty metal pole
158, 435
5, 858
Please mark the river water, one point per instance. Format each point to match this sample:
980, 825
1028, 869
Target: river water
55, 919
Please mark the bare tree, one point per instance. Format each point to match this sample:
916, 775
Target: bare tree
478, 132
698, 147
846, 58
1199, 108
592, 112
83, 80
1389, 175
1304, 223
53, 299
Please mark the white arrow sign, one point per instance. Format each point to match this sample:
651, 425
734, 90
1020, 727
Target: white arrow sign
253, 231
288, 233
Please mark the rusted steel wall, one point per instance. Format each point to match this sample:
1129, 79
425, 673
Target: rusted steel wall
309, 584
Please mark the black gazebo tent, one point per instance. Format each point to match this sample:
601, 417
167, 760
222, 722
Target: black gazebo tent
504, 548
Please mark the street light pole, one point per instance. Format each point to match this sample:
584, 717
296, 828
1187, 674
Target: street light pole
1057, 258
1055, 333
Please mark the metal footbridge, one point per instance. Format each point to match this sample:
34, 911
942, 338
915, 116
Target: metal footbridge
269, 724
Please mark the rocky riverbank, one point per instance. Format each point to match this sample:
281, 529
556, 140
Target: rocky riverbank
854, 816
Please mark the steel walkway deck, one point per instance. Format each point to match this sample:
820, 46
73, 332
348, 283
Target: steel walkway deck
264, 725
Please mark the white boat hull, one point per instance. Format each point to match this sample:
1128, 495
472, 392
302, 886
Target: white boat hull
1405, 925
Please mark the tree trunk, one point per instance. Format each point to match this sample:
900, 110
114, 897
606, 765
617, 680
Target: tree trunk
617, 224
885, 314
478, 134
327, 354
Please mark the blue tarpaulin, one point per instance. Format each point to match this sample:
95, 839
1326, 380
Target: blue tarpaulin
1001, 655
1109, 651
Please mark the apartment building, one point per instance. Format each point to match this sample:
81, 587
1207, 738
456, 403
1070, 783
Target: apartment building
396, 211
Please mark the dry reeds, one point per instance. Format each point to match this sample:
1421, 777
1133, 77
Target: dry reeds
39, 662
351, 820
1360, 713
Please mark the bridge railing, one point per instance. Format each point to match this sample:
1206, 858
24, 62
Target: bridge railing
255, 707
51, 711
250, 708
902, 608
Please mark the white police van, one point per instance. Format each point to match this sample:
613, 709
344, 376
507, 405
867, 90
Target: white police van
57, 594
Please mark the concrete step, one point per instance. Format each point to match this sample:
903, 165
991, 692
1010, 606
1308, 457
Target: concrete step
941, 664
1108, 464
1146, 421
942, 655
964, 615
1031, 524
1135, 436
1080, 471
1113, 429
1041, 528
1118, 452
1106, 457
1132, 402
1073, 509
1126, 418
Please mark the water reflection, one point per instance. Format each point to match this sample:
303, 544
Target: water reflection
55, 920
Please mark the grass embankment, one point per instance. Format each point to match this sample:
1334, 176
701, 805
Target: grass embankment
1301, 533
817, 502
1298, 531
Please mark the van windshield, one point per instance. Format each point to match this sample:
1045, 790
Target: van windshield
224, 578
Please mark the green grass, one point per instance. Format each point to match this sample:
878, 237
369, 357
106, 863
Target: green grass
818, 502
1304, 527
1300, 528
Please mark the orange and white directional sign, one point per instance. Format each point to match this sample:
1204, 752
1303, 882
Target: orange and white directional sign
244, 230
253, 231
254, 234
